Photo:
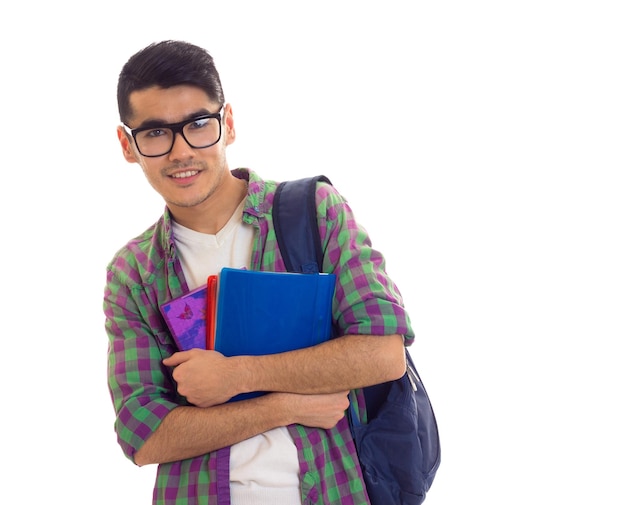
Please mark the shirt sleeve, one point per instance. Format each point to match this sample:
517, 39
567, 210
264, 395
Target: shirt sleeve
141, 387
367, 301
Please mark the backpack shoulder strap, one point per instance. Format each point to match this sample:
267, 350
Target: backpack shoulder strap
295, 221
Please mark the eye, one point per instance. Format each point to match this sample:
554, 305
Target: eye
198, 123
157, 132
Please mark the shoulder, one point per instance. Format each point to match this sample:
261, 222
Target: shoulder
260, 192
136, 262
330, 203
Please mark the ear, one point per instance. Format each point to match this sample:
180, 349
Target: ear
127, 147
229, 124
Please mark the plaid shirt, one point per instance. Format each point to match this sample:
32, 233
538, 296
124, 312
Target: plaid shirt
147, 272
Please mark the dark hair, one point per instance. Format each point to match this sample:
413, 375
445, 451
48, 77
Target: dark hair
166, 64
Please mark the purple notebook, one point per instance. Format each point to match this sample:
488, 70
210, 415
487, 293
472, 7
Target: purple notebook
186, 318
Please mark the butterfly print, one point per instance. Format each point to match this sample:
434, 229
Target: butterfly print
187, 313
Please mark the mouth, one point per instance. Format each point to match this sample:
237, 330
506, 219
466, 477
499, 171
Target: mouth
184, 175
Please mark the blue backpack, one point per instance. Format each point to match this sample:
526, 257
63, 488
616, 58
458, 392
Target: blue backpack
399, 447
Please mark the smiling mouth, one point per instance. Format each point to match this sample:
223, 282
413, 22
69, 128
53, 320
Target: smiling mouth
184, 175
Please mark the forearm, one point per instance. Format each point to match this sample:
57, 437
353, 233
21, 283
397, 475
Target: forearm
343, 363
187, 432
207, 378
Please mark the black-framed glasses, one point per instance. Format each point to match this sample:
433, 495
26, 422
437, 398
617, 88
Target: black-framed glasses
200, 132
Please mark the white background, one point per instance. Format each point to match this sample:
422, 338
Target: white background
480, 143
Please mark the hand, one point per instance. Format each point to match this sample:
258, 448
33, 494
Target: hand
316, 411
205, 378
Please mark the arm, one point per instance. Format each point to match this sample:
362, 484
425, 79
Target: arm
348, 362
340, 364
191, 431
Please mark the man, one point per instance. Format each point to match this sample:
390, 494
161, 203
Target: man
292, 445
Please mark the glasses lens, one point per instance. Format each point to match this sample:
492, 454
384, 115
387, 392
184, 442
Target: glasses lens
155, 142
202, 132
199, 133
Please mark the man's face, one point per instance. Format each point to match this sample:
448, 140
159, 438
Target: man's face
185, 176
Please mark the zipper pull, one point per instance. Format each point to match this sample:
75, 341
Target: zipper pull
413, 377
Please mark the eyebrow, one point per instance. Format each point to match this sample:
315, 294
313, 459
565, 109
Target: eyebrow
155, 122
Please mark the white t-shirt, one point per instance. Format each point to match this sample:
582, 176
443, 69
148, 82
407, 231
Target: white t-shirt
264, 469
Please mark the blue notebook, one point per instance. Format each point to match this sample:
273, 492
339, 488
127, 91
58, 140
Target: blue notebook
270, 312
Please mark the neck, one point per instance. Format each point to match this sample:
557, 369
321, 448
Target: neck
211, 215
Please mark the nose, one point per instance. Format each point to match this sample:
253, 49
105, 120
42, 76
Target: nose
181, 150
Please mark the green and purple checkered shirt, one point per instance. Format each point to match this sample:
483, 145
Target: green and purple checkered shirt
147, 272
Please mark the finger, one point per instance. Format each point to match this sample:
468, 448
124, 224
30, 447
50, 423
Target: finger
177, 358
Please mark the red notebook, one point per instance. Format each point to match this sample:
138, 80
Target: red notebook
211, 311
